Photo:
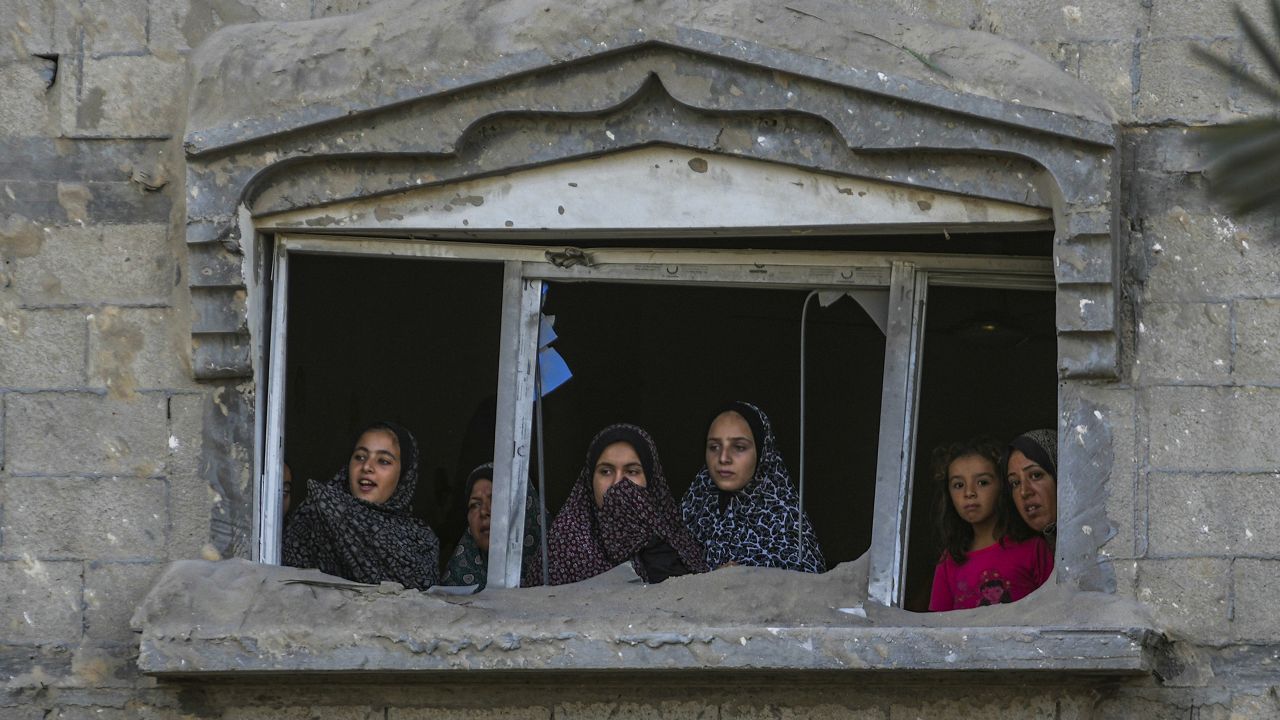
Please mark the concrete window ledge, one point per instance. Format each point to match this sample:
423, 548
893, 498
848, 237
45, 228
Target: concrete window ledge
241, 619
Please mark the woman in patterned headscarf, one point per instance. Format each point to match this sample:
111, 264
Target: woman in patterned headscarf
1030, 464
742, 507
620, 509
357, 525
469, 564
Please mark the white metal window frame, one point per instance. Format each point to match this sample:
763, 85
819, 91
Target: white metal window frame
906, 277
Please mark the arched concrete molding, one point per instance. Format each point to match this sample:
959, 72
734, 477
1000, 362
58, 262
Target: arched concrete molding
745, 99
317, 118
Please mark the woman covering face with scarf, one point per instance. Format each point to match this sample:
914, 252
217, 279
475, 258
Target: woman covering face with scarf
357, 525
620, 509
742, 508
470, 562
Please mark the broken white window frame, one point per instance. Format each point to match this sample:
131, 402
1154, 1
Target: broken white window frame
906, 276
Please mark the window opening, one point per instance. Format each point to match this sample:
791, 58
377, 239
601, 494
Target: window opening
675, 302
665, 356
988, 367
384, 338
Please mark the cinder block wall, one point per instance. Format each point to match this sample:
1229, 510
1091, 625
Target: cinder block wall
102, 425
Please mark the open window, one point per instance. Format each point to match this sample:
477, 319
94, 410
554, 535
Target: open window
654, 336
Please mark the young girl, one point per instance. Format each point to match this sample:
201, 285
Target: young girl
981, 564
358, 525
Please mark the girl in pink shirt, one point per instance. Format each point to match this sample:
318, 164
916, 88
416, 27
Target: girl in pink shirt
981, 563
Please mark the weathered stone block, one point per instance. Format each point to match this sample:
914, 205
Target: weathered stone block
1209, 256
1107, 68
72, 433
42, 601
756, 711
112, 591
1085, 307
125, 96
131, 349
303, 712
109, 518
105, 665
1199, 428
1175, 85
29, 29
1261, 706
1187, 597
191, 499
1129, 707
25, 711
181, 25
658, 710
73, 712
455, 713
103, 264
1120, 491
1214, 19
1169, 150
26, 665
42, 348
25, 95
1159, 193
327, 8
1089, 19
105, 26
1098, 445
218, 309
1257, 331
1183, 343
1257, 600
1214, 515
956, 708
86, 161
78, 203
1029, 21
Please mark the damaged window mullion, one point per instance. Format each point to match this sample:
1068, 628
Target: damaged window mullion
269, 526
516, 386
904, 343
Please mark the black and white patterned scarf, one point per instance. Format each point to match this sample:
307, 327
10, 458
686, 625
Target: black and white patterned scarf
757, 525
342, 535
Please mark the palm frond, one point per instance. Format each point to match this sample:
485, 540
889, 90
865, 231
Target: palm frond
1244, 166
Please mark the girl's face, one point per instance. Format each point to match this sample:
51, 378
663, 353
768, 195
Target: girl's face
1035, 491
374, 469
618, 462
731, 452
479, 506
974, 488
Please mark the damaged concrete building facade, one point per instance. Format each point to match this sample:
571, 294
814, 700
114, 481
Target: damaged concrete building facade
224, 221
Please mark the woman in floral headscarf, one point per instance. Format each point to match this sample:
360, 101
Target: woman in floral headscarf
357, 525
742, 507
620, 509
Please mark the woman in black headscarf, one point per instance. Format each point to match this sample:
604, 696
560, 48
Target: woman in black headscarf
1030, 465
621, 509
469, 564
357, 525
742, 507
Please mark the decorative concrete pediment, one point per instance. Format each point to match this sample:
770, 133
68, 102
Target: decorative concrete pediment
286, 117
